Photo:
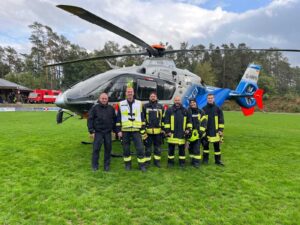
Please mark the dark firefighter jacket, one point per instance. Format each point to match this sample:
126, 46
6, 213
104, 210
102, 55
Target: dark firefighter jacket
199, 122
153, 112
102, 118
177, 120
215, 122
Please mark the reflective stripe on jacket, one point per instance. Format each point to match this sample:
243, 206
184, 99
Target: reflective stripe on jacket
177, 120
153, 112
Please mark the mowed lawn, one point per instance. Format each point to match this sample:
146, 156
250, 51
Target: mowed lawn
46, 177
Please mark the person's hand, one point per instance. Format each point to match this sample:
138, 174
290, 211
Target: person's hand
169, 134
120, 134
187, 131
220, 133
92, 136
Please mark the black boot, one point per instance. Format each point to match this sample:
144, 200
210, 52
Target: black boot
106, 168
182, 163
170, 162
157, 163
205, 158
218, 160
196, 163
147, 163
142, 167
128, 165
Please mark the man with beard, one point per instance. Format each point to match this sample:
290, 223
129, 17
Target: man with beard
153, 112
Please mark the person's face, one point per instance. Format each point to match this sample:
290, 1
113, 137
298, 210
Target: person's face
103, 98
177, 101
153, 98
210, 99
129, 93
193, 104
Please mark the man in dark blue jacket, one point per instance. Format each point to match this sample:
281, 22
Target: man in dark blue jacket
214, 130
101, 122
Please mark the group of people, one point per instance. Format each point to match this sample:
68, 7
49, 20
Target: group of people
146, 126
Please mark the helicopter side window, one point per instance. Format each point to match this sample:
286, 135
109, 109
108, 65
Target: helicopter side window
165, 90
117, 91
144, 88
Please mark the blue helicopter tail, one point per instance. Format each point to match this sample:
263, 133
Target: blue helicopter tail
247, 94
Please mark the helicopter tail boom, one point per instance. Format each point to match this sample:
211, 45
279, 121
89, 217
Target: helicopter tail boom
247, 94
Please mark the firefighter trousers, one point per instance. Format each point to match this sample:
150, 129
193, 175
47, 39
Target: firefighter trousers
155, 140
171, 154
101, 138
136, 137
217, 149
194, 150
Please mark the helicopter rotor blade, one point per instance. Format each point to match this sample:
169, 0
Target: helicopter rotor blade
96, 58
92, 18
230, 49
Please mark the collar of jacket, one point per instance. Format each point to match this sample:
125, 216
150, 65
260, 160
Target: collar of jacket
130, 102
152, 103
103, 105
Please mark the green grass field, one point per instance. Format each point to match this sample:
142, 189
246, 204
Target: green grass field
46, 177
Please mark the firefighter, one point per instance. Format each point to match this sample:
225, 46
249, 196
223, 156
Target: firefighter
177, 124
199, 121
130, 125
153, 112
214, 131
101, 122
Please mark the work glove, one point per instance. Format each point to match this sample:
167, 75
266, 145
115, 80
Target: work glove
144, 134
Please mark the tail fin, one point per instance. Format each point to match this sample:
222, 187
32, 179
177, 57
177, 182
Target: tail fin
247, 93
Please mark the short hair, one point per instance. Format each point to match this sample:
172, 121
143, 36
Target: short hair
210, 94
153, 93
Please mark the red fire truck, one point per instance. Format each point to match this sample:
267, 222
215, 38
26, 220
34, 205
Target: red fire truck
43, 96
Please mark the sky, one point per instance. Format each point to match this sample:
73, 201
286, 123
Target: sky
258, 23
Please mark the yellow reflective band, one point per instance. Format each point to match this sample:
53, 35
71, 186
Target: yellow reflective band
181, 157
191, 156
171, 157
142, 131
130, 129
147, 116
147, 159
203, 118
206, 151
143, 123
189, 125
153, 130
214, 139
199, 117
184, 122
221, 125
142, 160
216, 122
118, 124
125, 113
167, 125
202, 128
127, 159
197, 157
217, 153
157, 157
172, 122
178, 141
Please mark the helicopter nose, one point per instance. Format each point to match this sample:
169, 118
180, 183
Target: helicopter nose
60, 102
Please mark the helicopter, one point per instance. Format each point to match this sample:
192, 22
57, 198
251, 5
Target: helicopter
157, 73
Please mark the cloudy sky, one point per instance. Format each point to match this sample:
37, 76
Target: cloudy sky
258, 23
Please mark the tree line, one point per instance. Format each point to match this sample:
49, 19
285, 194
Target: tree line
215, 67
